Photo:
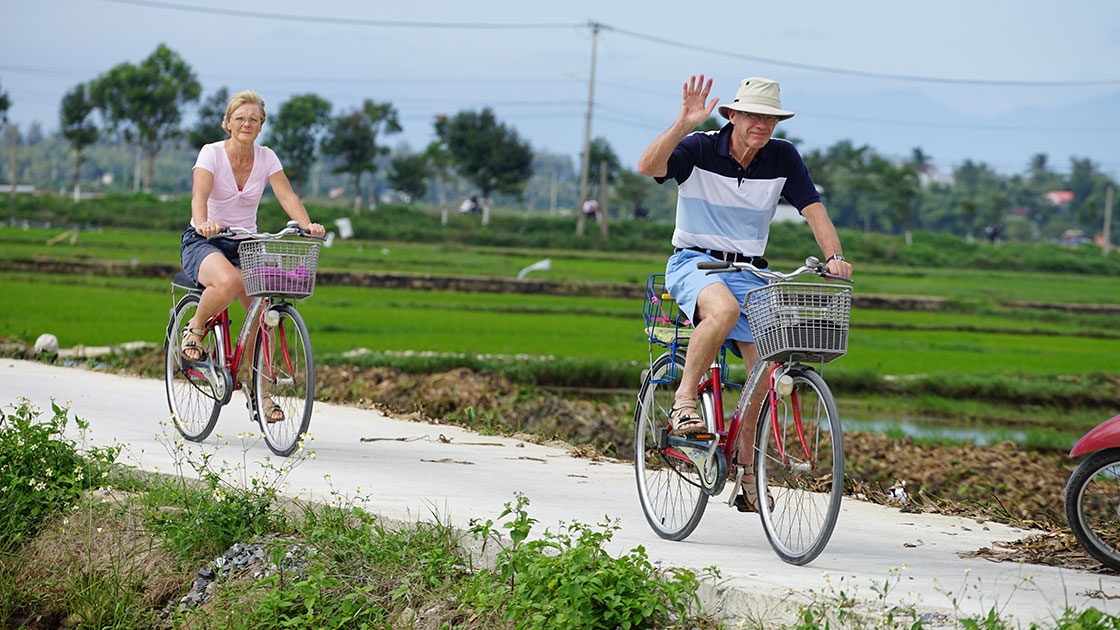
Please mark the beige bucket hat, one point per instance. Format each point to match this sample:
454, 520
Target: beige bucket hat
757, 95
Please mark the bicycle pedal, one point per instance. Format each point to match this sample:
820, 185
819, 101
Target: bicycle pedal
701, 441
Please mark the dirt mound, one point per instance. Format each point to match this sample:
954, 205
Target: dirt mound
1004, 481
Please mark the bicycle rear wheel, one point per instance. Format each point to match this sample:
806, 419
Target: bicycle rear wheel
1092, 501
284, 379
668, 483
799, 464
195, 391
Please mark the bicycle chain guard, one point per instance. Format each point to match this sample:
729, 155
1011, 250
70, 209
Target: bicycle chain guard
219, 380
704, 453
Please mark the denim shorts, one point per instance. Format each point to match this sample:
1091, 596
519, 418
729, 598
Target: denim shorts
684, 282
193, 249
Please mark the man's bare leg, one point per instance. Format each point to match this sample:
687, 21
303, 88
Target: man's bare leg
748, 427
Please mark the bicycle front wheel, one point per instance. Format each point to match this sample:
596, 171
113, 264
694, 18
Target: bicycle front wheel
668, 483
193, 394
283, 380
799, 466
1092, 503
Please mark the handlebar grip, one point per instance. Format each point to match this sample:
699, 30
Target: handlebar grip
713, 264
829, 276
222, 232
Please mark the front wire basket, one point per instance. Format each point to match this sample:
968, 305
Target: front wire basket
800, 322
280, 268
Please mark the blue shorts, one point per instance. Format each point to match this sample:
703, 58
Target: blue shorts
684, 282
193, 249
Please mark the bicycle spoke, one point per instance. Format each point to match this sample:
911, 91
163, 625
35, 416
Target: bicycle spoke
800, 466
191, 396
668, 483
283, 377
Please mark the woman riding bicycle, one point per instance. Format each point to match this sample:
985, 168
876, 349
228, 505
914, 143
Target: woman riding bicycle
229, 179
730, 182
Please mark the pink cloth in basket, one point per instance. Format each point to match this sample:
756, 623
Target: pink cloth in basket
273, 279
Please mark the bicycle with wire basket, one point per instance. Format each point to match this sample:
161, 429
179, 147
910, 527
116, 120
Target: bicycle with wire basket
798, 459
276, 274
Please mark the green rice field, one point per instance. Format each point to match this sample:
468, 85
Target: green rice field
967, 286
101, 311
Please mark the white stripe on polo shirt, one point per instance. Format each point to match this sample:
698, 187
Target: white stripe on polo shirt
721, 190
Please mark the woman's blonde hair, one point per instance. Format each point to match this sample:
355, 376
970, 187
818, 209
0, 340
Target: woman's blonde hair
242, 98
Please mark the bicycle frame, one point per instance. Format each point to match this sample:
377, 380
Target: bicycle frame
233, 354
729, 435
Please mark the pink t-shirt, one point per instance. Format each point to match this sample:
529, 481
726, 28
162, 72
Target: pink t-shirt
228, 206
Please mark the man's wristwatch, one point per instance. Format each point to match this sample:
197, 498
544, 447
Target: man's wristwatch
833, 257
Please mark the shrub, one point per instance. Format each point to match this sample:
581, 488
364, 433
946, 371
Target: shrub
567, 580
40, 470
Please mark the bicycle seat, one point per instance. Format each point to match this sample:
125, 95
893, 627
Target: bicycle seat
183, 281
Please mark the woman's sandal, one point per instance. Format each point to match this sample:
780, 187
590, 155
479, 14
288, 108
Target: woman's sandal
273, 413
192, 345
747, 501
685, 424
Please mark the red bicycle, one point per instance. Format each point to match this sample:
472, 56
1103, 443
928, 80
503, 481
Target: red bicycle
1092, 496
276, 273
798, 459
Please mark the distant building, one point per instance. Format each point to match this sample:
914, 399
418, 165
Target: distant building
1072, 238
21, 189
931, 175
1058, 197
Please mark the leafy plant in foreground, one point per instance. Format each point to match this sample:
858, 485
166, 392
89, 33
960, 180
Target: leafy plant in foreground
40, 470
568, 580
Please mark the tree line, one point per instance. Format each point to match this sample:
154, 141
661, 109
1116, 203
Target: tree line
142, 105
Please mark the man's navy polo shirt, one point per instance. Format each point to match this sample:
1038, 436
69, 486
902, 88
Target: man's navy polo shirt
721, 205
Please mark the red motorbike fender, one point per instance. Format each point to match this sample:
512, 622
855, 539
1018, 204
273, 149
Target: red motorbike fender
1104, 435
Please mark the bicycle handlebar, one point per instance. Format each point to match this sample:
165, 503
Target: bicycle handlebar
291, 228
812, 265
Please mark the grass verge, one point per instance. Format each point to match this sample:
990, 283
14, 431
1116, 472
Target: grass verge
113, 547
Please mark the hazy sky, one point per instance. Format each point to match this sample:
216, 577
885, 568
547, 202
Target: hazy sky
987, 81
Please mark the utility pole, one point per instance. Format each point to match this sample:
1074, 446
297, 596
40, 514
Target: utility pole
552, 194
604, 229
15, 161
595, 26
1107, 245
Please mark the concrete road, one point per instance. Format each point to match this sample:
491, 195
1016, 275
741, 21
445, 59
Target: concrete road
408, 472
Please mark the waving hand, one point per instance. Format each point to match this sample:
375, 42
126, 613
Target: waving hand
694, 106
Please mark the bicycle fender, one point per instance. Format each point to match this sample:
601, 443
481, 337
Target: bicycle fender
1104, 435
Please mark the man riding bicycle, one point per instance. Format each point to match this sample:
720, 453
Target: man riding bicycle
730, 183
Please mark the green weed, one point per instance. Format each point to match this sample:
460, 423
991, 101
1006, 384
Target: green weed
567, 579
42, 471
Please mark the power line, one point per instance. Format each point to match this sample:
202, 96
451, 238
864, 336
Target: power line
858, 73
348, 21
978, 127
621, 31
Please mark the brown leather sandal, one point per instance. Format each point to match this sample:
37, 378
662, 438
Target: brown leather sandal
192, 345
747, 501
685, 424
273, 413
